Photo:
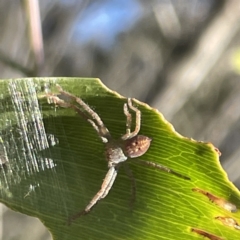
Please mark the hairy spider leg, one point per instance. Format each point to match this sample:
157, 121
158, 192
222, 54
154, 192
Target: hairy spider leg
130, 134
96, 121
106, 186
109, 186
160, 167
129, 118
56, 100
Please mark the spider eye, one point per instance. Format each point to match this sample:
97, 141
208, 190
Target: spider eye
137, 146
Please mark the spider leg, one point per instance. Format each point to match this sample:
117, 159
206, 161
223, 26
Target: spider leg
109, 186
96, 121
106, 186
57, 101
102, 129
93, 114
129, 119
133, 184
161, 167
130, 134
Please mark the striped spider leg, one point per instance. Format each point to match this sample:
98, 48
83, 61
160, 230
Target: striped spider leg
130, 145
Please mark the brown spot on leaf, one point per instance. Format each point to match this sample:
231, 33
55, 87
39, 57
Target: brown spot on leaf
206, 234
217, 200
228, 221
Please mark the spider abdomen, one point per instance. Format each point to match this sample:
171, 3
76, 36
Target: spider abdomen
137, 146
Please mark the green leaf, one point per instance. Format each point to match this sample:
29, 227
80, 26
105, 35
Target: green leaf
54, 163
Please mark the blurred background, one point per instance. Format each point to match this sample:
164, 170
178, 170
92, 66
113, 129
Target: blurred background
180, 56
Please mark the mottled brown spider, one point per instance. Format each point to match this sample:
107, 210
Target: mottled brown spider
130, 145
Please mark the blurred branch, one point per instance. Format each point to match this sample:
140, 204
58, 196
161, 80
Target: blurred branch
35, 33
189, 73
170, 29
